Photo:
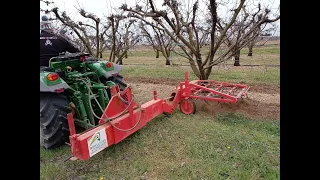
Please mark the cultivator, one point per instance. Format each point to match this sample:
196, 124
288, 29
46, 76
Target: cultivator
123, 116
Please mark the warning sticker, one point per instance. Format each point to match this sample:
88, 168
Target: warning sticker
97, 142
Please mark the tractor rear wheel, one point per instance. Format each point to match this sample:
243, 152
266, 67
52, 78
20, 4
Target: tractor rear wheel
54, 130
119, 81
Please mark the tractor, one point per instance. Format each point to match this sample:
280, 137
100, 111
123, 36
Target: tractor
74, 83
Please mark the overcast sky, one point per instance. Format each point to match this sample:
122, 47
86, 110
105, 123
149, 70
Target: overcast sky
104, 7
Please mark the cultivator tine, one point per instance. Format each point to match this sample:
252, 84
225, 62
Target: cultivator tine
67, 159
200, 90
70, 158
211, 104
246, 95
232, 90
244, 91
167, 115
219, 87
209, 94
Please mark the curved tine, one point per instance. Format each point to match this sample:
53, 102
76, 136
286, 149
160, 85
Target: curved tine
208, 102
211, 104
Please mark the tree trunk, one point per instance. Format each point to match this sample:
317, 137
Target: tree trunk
202, 73
167, 61
120, 61
126, 55
203, 76
237, 58
157, 56
113, 49
194, 68
100, 55
191, 54
250, 46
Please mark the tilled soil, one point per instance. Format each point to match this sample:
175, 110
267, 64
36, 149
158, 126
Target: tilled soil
260, 88
262, 102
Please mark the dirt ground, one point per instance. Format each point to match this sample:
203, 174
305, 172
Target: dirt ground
263, 101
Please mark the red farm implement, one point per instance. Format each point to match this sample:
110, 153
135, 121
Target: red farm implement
123, 116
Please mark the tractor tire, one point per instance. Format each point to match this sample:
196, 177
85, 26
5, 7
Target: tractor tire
54, 128
119, 81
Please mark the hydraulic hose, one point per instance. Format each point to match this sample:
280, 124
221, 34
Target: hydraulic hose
109, 119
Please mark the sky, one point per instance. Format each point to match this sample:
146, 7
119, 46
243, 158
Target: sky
104, 8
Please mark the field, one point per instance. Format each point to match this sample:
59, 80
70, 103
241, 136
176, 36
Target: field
240, 141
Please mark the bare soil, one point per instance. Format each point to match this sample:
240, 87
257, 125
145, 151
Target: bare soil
263, 101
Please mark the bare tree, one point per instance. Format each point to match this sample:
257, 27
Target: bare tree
262, 37
184, 28
97, 37
61, 29
245, 30
121, 39
91, 36
158, 39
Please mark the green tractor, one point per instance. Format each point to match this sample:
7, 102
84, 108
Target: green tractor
76, 83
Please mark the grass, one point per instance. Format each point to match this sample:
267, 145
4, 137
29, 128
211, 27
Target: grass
265, 55
228, 146
252, 75
199, 146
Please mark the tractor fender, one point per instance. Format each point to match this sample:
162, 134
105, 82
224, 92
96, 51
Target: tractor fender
56, 86
53, 88
117, 69
102, 70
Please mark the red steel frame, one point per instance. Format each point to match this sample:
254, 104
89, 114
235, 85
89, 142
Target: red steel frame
108, 135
